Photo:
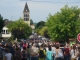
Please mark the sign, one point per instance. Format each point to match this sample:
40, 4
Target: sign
78, 37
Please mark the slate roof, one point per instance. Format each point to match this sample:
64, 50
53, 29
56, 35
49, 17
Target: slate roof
26, 9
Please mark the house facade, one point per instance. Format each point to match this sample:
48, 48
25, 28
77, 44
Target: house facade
5, 33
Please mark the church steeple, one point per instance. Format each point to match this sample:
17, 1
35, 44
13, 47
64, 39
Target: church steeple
26, 14
26, 9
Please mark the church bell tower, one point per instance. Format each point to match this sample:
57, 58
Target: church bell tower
26, 14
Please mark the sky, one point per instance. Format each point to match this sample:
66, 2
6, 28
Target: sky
39, 9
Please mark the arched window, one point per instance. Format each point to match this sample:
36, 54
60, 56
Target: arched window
28, 15
3, 31
26, 19
24, 15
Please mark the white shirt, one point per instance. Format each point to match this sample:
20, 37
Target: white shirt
59, 53
40, 44
53, 49
72, 53
8, 56
47, 49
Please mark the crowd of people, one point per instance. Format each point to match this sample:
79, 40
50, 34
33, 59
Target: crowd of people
39, 50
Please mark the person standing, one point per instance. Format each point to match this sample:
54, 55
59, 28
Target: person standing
73, 53
42, 53
58, 53
17, 54
49, 54
24, 54
67, 53
8, 55
34, 52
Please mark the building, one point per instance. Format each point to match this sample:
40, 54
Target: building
26, 17
5, 33
26, 14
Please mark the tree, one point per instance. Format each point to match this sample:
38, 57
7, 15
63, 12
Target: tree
20, 29
6, 20
40, 24
62, 25
1, 23
31, 22
44, 32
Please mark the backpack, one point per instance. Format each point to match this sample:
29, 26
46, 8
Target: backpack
1, 53
41, 54
24, 54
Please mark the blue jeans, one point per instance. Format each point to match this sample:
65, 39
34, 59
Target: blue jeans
67, 57
34, 58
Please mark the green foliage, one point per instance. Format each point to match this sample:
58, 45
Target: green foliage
11, 39
31, 22
20, 29
1, 23
62, 25
40, 24
44, 32
37, 30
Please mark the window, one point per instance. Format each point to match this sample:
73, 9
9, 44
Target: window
28, 15
7, 32
26, 19
24, 15
3, 31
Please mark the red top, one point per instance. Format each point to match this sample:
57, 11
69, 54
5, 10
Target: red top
67, 51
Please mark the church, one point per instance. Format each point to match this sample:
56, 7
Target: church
26, 16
